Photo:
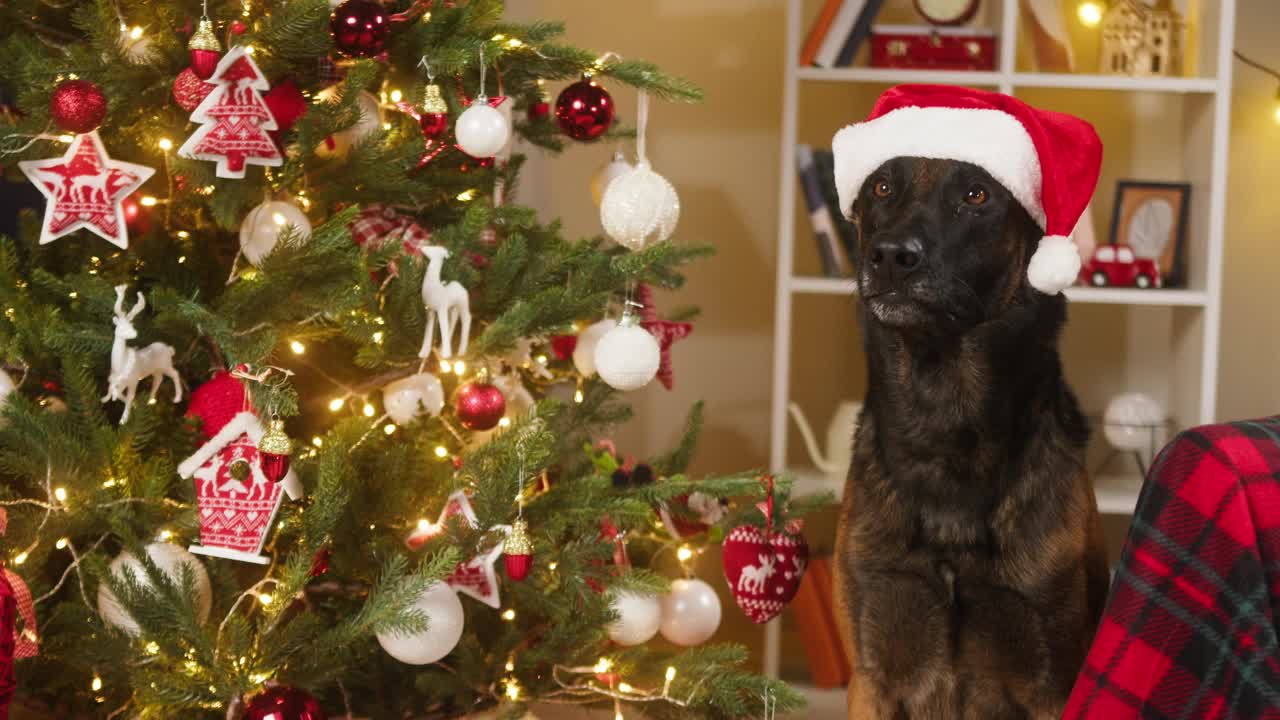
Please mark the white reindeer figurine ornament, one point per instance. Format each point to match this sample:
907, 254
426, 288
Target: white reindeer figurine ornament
447, 303
130, 365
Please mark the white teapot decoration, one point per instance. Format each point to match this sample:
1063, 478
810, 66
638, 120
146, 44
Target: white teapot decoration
835, 462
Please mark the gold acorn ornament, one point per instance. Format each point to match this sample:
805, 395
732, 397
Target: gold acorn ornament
275, 447
205, 49
517, 551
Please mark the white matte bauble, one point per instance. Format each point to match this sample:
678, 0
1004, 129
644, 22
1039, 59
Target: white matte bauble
369, 122
482, 130
6, 388
638, 618
627, 357
444, 628
584, 353
639, 207
169, 558
690, 613
406, 398
1132, 421
603, 177
261, 228
138, 51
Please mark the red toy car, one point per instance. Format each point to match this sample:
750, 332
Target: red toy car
1117, 265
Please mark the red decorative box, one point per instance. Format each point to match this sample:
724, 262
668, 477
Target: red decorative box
925, 47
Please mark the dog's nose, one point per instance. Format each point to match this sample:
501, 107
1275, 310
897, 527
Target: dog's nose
894, 260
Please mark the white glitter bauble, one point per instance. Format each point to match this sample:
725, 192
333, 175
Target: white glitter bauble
169, 558
638, 617
584, 353
369, 122
627, 357
606, 174
639, 207
444, 628
690, 613
482, 130
261, 228
1132, 422
406, 398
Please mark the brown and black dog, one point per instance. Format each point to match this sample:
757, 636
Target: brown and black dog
971, 570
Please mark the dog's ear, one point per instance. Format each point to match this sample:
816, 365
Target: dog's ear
1021, 237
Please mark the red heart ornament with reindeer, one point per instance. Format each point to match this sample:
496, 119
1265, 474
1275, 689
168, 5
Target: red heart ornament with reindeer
764, 572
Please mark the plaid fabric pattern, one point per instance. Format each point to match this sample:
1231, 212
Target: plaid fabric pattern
1190, 630
378, 224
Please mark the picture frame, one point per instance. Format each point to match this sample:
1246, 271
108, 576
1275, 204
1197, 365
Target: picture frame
1151, 217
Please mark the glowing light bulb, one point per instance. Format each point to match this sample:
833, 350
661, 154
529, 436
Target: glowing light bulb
62, 543
1278, 112
66, 138
671, 673
20, 558
165, 144
148, 201
135, 33
389, 428
60, 494
509, 615
317, 441
266, 599
184, 234
368, 410
459, 367
152, 648
513, 690
466, 196
297, 347
278, 219
249, 50
96, 684
504, 422
684, 553
377, 337
602, 665
552, 565
577, 396
510, 666
1090, 13
166, 534
336, 404
396, 96
626, 688
442, 451
445, 366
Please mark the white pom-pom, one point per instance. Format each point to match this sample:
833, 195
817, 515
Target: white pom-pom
639, 207
627, 357
169, 558
1055, 265
260, 230
482, 130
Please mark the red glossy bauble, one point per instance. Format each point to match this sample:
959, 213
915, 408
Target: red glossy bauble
78, 106
562, 346
517, 566
584, 110
286, 103
204, 62
137, 217
538, 111
283, 703
433, 125
238, 28
189, 90
360, 28
274, 465
480, 405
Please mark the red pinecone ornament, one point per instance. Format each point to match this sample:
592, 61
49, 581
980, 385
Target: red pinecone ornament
283, 703
764, 572
78, 106
480, 405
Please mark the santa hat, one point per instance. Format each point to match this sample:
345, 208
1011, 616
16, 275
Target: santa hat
1048, 161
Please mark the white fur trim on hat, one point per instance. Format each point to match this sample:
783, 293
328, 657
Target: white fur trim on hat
1055, 265
991, 139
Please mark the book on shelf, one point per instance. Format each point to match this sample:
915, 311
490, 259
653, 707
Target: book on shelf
841, 26
818, 33
848, 234
828, 664
860, 32
835, 262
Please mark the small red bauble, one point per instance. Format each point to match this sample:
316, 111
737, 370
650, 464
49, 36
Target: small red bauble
137, 218
360, 28
286, 103
584, 110
538, 111
480, 405
238, 28
189, 90
320, 562
78, 106
562, 346
283, 703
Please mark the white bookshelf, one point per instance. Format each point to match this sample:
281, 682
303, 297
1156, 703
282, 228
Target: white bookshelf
1171, 346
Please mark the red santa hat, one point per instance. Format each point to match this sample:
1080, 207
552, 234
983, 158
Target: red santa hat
1049, 161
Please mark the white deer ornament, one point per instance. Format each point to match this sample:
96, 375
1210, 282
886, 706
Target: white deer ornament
447, 303
130, 365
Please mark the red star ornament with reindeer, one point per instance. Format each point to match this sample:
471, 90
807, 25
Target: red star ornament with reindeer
476, 577
85, 189
234, 119
664, 331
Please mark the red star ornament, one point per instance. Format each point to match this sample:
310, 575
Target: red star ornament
478, 576
664, 331
234, 119
85, 189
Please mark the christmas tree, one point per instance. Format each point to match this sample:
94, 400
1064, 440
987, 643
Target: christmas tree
449, 532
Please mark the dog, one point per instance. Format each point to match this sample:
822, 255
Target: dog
970, 565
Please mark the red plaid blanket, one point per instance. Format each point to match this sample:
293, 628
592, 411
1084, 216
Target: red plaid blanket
1190, 629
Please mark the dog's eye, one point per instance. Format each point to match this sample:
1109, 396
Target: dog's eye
881, 189
977, 195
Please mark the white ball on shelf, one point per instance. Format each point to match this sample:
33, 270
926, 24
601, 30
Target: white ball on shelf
444, 628
606, 174
639, 207
639, 616
261, 228
584, 353
627, 357
1133, 421
690, 612
169, 558
482, 130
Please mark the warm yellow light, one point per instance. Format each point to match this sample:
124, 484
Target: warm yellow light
396, 96
684, 553
165, 144
671, 673
60, 494
368, 410
62, 543
336, 404
514, 43
96, 684
552, 565
317, 441
626, 688
1278, 112
109, 483
542, 359
1090, 13
148, 201
617, 714
278, 219
442, 451
73, 294
445, 366
389, 428
135, 33
510, 666
152, 648
513, 690
499, 37
249, 50
166, 534
509, 615
258, 678
602, 665
297, 347
386, 126
424, 525
266, 599
182, 259
184, 234
459, 367
377, 337
20, 558
66, 138
466, 196
577, 396
504, 422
